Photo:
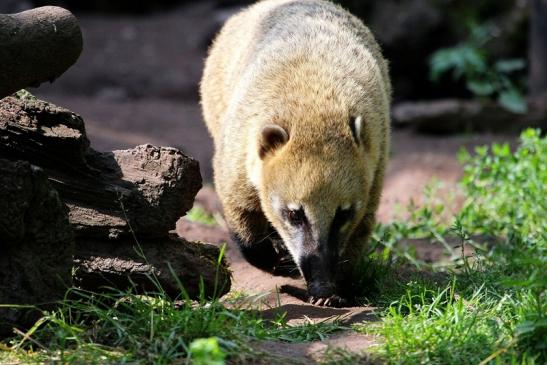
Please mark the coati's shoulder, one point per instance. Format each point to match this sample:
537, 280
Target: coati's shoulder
270, 30
283, 21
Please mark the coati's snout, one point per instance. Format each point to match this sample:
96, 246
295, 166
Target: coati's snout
319, 273
316, 235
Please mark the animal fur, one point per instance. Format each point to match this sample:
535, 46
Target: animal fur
296, 96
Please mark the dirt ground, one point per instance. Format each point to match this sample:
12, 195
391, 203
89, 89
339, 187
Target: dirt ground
135, 85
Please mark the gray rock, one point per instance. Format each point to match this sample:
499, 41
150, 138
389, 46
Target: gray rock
38, 45
146, 265
36, 242
144, 189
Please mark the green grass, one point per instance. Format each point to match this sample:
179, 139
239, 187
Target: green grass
199, 215
492, 307
121, 327
486, 309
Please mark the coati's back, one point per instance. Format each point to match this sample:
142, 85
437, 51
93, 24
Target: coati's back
272, 32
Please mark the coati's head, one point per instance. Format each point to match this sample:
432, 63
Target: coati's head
313, 187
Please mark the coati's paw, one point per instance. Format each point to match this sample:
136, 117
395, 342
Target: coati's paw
285, 265
334, 301
260, 254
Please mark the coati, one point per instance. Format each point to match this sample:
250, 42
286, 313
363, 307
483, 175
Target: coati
296, 96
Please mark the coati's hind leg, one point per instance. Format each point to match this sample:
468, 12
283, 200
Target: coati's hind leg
261, 245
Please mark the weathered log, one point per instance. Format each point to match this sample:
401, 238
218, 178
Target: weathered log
454, 115
145, 189
119, 202
36, 242
148, 265
38, 45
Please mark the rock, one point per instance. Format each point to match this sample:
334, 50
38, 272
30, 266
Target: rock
455, 116
117, 201
36, 241
50, 136
147, 189
144, 189
150, 264
38, 45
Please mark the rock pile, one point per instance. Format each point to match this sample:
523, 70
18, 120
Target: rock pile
36, 242
106, 217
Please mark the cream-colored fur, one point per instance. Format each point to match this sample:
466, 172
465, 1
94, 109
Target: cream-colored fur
311, 68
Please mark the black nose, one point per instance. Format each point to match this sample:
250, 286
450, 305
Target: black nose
319, 274
321, 289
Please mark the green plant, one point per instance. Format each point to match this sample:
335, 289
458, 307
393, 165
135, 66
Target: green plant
490, 308
505, 191
494, 310
206, 351
483, 77
440, 328
199, 215
23, 94
121, 327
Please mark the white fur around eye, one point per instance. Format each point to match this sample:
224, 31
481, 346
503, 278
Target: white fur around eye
346, 206
276, 203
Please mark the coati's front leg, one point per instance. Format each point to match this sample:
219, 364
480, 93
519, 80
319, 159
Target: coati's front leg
348, 281
260, 243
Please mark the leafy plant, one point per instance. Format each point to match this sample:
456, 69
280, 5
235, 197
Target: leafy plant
199, 215
23, 94
505, 191
206, 351
121, 327
483, 77
494, 310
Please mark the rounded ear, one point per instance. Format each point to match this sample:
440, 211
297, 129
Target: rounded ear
271, 137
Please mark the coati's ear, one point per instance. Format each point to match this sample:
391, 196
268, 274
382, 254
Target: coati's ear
355, 124
271, 137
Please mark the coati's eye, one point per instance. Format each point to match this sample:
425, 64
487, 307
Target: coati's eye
296, 217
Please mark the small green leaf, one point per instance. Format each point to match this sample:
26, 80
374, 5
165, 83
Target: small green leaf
24, 95
481, 88
510, 65
513, 101
206, 351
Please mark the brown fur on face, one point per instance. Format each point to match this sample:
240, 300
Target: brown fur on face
296, 96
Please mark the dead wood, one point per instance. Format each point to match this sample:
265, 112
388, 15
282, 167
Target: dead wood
38, 45
145, 189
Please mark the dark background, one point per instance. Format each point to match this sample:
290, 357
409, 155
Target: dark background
137, 78
408, 30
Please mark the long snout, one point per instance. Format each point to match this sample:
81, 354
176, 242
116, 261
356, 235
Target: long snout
319, 271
